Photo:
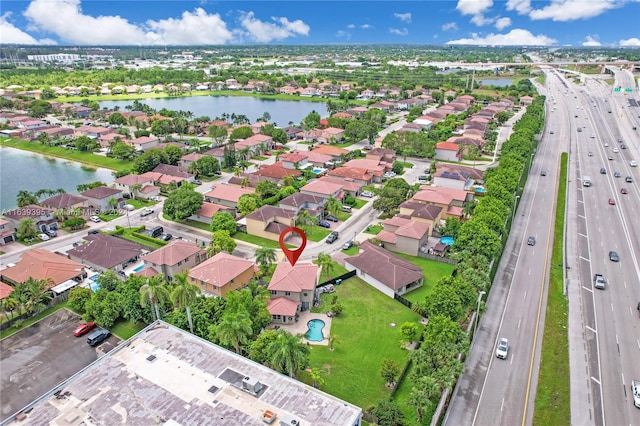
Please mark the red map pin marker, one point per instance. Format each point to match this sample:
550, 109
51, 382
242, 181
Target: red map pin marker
293, 254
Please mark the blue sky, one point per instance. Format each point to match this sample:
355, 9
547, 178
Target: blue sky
477, 22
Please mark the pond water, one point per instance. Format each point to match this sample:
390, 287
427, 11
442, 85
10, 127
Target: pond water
282, 112
499, 82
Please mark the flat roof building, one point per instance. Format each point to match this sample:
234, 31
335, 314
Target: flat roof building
164, 375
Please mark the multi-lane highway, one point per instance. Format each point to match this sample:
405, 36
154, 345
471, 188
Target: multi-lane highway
604, 326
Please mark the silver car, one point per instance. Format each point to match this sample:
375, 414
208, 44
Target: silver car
503, 348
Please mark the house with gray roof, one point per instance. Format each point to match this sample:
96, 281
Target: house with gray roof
384, 270
269, 221
104, 252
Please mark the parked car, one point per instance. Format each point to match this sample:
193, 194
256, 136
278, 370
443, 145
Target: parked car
52, 233
196, 182
503, 348
95, 219
146, 212
43, 237
324, 224
346, 209
347, 245
84, 328
166, 237
97, 337
93, 232
331, 218
332, 237
367, 194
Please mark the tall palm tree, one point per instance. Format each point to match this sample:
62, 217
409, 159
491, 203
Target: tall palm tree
38, 296
113, 202
332, 206
326, 263
287, 353
135, 188
234, 330
154, 292
265, 256
244, 182
10, 304
24, 198
21, 295
26, 228
184, 294
305, 220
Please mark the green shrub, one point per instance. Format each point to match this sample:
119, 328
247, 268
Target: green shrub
148, 238
350, 200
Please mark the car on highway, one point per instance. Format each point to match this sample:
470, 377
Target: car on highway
347, 245
531, 241
599, 281
633, 163
146, 212
543, 173
551, 132
84, 328
367, 194
624, 191
44, 237
324, 224
612, 202
628, 179
503, 348
590, 154
610, 158
332, 237
606, 144
635, 391
617, 174
613, 256
331, 218
623, 146
603, 171
95, 219
616, 150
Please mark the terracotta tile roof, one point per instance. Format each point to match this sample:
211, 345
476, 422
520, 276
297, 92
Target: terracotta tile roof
62, 201
454, 211
282, 306
149, 188
106, 251
168, 169
5, 290
351, 173
276, 171
144, 139
386, 237
334, 151
384, 266
413, 229
220, 269
42, 264
209, 209
268, 212
448, 146
147, 272
132, 179
228, 192
292, 157
439, 195
427, 211
347, 184
302, 276
192, 156
317, 157
101, 192
174, 252
322, 187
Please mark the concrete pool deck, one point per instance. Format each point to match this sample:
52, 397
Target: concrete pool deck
301, 327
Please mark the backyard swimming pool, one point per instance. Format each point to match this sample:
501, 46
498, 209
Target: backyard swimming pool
94, 285
447, 240
317, 170
138, 268
314, 333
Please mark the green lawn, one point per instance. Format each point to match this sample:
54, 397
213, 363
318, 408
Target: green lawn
316, 233
125, 329
139, 203
109, 217
433, 271
351, 251
86, 158
259, 241
335, 271
29, 321
198, 224
359, 203
364, 337
373, 229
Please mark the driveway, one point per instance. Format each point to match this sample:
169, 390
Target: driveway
39, 357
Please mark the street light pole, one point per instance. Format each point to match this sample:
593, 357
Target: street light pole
475, 326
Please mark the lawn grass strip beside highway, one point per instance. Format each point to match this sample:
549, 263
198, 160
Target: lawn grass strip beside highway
553, 398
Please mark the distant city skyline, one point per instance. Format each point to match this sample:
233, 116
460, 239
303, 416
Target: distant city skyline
608, 23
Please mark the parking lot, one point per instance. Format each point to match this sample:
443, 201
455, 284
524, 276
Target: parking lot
39, 357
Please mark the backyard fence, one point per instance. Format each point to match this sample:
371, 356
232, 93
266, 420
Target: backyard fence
402, 300
338, 279
437, 258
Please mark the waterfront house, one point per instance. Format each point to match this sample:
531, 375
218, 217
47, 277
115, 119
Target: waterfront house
99, 198
42, 217
222, 273
144, 143
7, 232
135, 185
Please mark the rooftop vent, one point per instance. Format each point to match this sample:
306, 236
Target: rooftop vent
151, 358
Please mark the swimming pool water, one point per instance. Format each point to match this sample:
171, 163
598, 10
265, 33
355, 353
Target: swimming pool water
138, 268
447, 240
314, 333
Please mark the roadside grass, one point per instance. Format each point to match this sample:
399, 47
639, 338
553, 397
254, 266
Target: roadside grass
139, 203
373, 229
259, 241
26, 323
127, 234
351, 251
553, 395
316, 233
125, 329
359, 203
107, 217
86, 158
364, 337
198, 224
432, 270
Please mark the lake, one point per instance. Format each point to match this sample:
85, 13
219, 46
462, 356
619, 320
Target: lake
498, 82
30, 171
282, 112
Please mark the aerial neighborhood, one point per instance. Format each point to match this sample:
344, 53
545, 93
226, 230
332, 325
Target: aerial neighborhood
405, 194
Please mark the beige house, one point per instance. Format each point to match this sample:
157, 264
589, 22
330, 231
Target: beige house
133, 185
269, 221
174, 258
297, 283
226, 195
222, 273
403, 235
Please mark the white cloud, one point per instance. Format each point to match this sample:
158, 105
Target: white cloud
515, 37
404, 17
366, 27
502, 23
450, 26
480, 20
591, 41
351, 26
630, 42
14, 35
343, 34
521, 6
473, 7
564, 10
279, 29
197, 27
399, 31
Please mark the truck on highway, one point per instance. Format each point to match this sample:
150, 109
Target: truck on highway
586, 180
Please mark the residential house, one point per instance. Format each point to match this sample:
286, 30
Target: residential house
297, 283
447, 151
172, 173
217, 153
222, 273
226, 195
276, 171
420, 212
324, 189
93, 132
7, 232
106, 140
351, 187
174, 258
526, 100
293, 160
355, 174
144, 143
135, 186
65, 133
384, 270
99, 198
206, 211
257, 144
66, 201
269, 221
104, 252
382, 155
5, 290
314, 204
411, 127
456, 176
451, 200
332, 135
186, 160
42, 217
334, 151
41, 264
404, 235
293, 132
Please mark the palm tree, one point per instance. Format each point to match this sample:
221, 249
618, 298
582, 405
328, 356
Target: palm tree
287, 353
305, 219
326, 263
332, 206
154, 292
244, 182
24, 198
184, 294
26, 228
135, 188
265, 256
21, 295
332, 340
38, 296
113, 203
234, 330
10, 304
288, 180
244, 153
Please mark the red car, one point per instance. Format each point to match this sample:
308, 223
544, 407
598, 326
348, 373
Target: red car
612, 201
624, 191
84, 328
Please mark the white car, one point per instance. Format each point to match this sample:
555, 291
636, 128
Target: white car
503, 348
635, 391
606, 144
615, 150
367, 194
633, 163
95, 219
43, 237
